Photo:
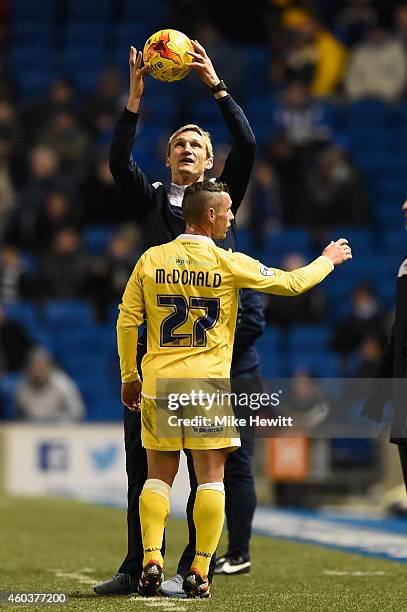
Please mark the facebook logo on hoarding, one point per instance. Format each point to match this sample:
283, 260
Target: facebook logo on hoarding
53, 456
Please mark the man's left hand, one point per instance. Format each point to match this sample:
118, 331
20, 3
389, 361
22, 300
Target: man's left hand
131, 395
202, 65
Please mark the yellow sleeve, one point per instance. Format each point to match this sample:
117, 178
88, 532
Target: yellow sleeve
131, 316
250, 273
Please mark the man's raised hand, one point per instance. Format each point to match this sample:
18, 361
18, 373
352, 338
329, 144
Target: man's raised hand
202, 65
338, 252
137, 74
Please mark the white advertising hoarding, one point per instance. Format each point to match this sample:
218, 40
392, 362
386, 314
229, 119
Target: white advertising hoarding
84, 462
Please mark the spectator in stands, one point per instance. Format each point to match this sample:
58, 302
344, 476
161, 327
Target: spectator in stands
101, 201
69, 140
106, 100
366, 318
57, 211
264, 200
316, 57
46, 394
369, 354
377, 68
8, 194
336, 191
300, 129
15, 279
61, 96
301, 118
64, 268
400, 23
109, 275
12, 168
354, 20
306, 308
15, 344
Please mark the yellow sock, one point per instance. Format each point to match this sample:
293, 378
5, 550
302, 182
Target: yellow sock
154, 504
209, 515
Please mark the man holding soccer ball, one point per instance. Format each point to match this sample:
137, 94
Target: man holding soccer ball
158, 209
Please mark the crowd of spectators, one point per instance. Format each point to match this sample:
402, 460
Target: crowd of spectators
55, 181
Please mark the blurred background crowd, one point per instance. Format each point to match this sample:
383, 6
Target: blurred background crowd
324, 86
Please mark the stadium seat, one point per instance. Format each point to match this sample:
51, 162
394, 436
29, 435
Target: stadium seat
309, 337
8, 386
68, 314
361, 239
36, 57
96, 238
288, 240
85, 30
98, 10
320, 364
40, 8
395, 241
368, 112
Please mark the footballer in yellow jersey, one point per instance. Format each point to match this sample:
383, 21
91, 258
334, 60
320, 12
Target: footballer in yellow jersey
188, 291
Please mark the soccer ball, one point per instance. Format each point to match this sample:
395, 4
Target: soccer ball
167, 51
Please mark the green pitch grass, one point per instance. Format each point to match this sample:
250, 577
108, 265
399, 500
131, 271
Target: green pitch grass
65, 546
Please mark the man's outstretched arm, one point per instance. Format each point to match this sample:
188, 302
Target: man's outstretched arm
131, 180
248, 272
239, 163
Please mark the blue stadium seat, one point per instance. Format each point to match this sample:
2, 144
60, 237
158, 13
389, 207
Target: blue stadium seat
34, 31
320, 364
39, 8
270, 341
98, 10
83, 56
256, 77
33, 81
8, 387
288, 240
309, 337
388, 215
368, 112
361, 239
395, 241
68, 314
30, 317
34, 57
78, 32
96, 238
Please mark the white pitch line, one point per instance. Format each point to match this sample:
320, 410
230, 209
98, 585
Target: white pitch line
78, 576
356, 573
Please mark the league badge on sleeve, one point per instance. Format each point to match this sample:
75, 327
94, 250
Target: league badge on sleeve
265, 271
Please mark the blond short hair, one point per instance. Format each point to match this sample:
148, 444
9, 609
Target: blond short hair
192, 127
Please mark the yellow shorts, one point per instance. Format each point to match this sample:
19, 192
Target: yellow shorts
157, 423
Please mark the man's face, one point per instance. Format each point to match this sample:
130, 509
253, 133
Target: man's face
404, 209
188, 159
222, 217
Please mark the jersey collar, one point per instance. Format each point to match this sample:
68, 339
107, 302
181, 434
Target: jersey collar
195, 237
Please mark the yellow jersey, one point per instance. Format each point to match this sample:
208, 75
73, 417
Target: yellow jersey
188, 290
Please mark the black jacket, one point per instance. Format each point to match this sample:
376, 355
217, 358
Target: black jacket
160, 222
391, 373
